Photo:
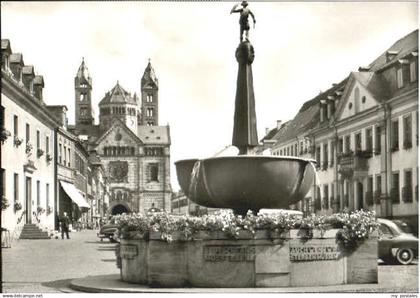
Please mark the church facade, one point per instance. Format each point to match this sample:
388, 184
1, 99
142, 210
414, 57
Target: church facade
133, 148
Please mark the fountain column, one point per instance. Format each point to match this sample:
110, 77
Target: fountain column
245, 122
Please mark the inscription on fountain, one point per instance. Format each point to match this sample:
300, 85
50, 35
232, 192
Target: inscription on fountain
313, 252
128, 251
229, 253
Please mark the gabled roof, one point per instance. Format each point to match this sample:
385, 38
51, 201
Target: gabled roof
159, 135
149, 78
120, 123
399, 49
117, 95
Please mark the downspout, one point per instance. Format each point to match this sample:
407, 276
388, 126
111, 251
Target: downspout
336, 186
56, 189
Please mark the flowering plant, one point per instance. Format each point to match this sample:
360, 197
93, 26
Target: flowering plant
17, 141
4, 134
4, 203
40, 210
39, 152
48, 157
18, 206
354, 227
28, 148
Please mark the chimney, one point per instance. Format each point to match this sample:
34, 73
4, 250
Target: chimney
16, 65
38, 86
278, 124
27, 77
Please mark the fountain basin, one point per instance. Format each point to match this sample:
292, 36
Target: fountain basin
246, 182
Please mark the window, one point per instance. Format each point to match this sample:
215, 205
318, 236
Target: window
407, 191
83, 97
15, 126
38, 139
400, 82
317, 155
47, 194
47, 145
149, 98
325, 157
68, 150
340, 145
378, 140
59, 153
38, 193
149, 112
413, 71
378, 190
153, 172
369, 146
326, 203
407, 143
369, 191
347, 144
301, 148
395, 190
83, 111
28, 133
16, 187
65, 156
331, 155
358, 141
296, 149
394, 136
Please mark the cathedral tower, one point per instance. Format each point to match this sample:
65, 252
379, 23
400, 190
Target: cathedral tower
83, 99
149, 97
118, 103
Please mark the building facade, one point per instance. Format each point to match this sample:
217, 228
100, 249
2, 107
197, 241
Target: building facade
28, 138
363, 133
133, 149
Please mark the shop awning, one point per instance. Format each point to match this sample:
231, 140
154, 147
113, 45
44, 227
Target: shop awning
74, 194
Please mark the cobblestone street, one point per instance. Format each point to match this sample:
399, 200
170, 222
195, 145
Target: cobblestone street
48, 265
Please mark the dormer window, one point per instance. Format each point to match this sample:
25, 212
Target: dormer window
400, 82
403, 72
390, 55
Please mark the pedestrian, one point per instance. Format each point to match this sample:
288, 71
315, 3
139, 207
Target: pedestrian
65, 221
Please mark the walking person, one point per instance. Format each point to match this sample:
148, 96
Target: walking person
65, 221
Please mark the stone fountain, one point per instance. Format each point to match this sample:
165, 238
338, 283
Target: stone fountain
245, 182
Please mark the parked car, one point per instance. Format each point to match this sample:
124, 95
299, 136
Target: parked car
396, 243
108, 231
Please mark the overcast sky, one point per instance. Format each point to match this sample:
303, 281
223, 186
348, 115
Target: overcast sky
301, 48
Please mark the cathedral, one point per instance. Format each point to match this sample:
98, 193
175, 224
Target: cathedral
133, 148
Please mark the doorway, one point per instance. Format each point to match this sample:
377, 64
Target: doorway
119, 209
28, 199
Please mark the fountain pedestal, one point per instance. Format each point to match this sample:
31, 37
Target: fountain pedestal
265, 260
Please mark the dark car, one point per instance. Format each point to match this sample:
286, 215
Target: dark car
108, 231
396, 243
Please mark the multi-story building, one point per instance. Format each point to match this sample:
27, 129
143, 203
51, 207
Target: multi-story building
27, 159
134, 150
363, 133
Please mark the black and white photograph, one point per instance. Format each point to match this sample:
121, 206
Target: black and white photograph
209, 147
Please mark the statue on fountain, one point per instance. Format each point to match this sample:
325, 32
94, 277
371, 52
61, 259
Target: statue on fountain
243, 20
